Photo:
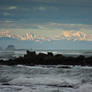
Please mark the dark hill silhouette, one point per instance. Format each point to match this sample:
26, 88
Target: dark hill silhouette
10, 47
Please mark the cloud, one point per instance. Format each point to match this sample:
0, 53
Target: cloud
63, 26
28, 36
12, 7
89, 37
73, 26
60, 1
74, 35
68, 35
5, 34
8, 21
49, 31
42, 8
6, 14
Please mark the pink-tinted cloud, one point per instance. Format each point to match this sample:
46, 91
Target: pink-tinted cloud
74, 35
5, 34
68, 35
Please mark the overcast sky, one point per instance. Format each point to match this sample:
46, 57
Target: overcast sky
46, 17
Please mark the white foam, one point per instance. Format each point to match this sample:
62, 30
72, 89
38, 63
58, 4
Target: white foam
85, 88
45, 79
48, 81
25, 89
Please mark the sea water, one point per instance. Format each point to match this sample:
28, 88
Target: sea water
5, 55
45, 79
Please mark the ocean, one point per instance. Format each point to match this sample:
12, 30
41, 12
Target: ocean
5, 55
44, 78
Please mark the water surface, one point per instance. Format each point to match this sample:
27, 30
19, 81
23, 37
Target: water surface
45, 79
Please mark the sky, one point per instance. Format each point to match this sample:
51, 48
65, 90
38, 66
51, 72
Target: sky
46, 19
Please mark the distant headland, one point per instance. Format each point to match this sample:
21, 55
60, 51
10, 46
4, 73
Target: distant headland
31, 58
9, 47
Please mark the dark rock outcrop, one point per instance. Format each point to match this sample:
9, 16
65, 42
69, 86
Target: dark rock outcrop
31, 58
